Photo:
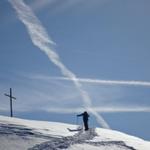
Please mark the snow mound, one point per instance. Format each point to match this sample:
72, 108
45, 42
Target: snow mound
20, 134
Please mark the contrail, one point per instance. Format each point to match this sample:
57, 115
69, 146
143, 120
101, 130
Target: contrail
101, 109
98, 81
41, 39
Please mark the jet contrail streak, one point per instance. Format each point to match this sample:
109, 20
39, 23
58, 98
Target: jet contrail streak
41, 39
102, 109
98, 81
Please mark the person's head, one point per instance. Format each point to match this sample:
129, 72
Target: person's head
85, 112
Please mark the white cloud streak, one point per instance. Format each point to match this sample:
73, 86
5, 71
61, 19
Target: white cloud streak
41, 39
102, 109
121, 109
98, 81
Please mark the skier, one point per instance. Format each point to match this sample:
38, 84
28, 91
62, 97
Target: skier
85, 119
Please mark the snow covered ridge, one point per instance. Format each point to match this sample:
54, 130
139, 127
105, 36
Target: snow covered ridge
20, 134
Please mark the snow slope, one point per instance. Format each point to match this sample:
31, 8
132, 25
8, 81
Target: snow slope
20, 134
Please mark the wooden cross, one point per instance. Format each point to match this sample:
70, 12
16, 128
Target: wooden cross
11, 98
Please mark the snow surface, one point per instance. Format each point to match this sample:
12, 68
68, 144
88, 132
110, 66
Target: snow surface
21, 134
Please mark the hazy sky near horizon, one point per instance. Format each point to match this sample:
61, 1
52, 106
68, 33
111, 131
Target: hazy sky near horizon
98, 39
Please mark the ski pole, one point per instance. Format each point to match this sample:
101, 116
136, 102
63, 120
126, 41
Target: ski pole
76, 120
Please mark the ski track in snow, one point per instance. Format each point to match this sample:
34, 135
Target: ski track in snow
18, 137
51, 142
21, 131
66, 142
82, 137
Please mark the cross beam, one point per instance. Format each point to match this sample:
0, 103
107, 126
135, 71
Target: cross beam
11, 98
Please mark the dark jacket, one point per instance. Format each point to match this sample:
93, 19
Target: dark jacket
85, 116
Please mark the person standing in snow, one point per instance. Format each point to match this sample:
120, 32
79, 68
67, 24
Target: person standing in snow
85, 116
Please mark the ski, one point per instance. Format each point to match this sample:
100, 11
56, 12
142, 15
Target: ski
74, 130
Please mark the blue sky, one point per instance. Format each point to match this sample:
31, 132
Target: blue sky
103, 40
